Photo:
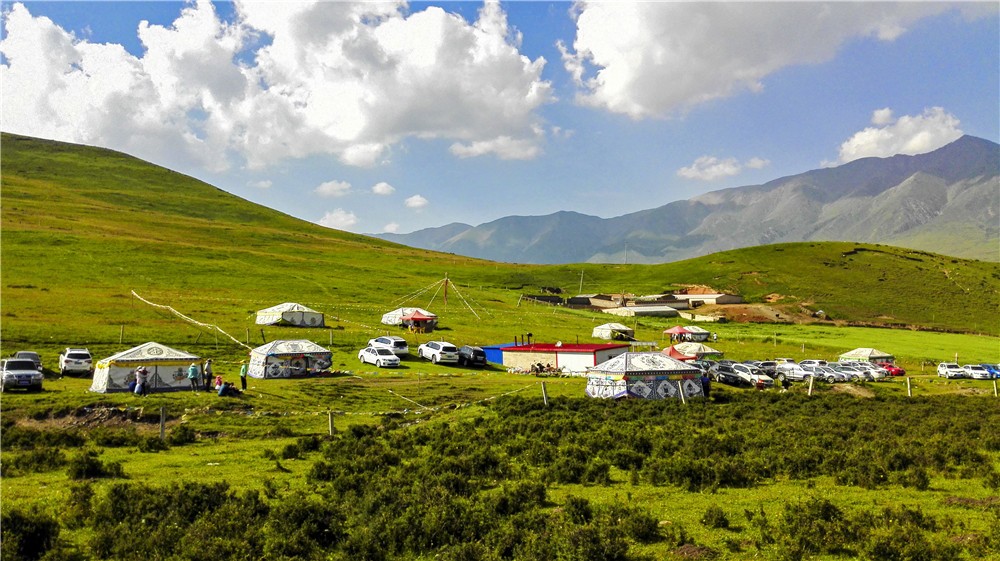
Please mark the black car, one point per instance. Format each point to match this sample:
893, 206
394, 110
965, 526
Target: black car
726, 374
471, 356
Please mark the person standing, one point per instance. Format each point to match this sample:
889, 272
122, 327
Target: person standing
193, 376
206, 375
141, 381
243, 375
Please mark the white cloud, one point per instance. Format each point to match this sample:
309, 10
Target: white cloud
284, 80
338, 218
391, 228
416, 201
910, 134
333, 189
383, 188
710, 168
262, 184
654, 59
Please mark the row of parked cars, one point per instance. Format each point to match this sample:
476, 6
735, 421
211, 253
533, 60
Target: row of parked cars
763, 373
974, 371
24, 369
386, 351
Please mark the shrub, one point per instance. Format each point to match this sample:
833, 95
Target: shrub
715, 518
26, 535
86, 465
37, 460
152, 444
181, 434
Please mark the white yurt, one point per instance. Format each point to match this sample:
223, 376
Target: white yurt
285, 359
644, 375
167, 369
290, 313
613, 331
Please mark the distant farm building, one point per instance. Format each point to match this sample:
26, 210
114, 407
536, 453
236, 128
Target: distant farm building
576, 358
696, 300
638, 311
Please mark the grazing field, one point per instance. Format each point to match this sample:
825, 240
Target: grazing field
437, 462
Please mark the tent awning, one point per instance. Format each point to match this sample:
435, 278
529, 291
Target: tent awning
676, 330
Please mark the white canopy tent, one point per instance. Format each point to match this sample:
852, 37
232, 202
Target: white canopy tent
284, 359
396, 316
613, 331
866, 354
167, 369
290, 313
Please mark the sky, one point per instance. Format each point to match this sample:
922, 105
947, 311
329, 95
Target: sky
394, 117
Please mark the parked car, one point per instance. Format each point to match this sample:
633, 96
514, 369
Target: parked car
768, 367
872, 372
892, 369
394, 343
30, 355
20, 373
753, 376
380, 357
993, 369
785, 360
75, 360
950, 370
725, 374
438, 351
813, 362
824, 373
976, 372
851, 371
792, 372
469, 355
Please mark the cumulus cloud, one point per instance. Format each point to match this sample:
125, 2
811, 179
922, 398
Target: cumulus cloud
338, 218
909, 134
282, 80
333, 189
710, 168
262, 184
391, 228
655, 59
382, 188
416, 202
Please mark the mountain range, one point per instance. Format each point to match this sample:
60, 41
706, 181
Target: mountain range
946, 201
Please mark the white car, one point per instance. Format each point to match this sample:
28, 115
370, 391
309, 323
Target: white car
813, 362
394, 343
793, 372
950, 370
753, 375
976, 372
438, 351
873, 372
76, 360
20, 373
380, 357
853, 373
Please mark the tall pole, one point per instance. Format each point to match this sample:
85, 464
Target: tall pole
581, 282
446, 290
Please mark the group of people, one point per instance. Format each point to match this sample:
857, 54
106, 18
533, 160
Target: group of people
201, 378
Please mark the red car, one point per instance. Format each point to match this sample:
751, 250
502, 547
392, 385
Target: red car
892, 369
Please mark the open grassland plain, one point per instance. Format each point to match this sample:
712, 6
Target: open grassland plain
437, 462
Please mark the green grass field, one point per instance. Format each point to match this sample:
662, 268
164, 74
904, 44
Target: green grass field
83, 228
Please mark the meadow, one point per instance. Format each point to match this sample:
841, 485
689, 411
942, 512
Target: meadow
437, 462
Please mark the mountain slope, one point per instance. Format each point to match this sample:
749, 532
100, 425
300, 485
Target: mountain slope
947, 201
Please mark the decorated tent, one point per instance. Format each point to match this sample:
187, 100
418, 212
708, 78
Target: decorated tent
167, 369
865, 354
290, 313
690, 351
696, 334
643, 375
411, 317
613, 331
283, 359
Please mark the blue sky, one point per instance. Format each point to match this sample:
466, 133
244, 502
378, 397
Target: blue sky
396, 117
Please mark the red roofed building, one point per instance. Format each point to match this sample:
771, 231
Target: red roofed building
570, 358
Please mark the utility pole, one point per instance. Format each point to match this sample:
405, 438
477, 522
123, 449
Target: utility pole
581, 284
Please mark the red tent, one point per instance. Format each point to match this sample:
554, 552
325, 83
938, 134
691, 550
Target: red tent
415, 315
674, 353
676, 330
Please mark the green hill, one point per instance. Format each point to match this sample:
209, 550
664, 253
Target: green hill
84, 227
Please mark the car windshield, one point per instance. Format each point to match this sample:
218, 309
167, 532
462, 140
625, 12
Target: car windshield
19, 365
383, 351
78, 356
449, 348
399, 344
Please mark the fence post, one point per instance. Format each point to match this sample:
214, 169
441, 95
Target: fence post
680, 387
994, 388
811, 380
121, 334
329, 415
163, 423
545, 396
909, 390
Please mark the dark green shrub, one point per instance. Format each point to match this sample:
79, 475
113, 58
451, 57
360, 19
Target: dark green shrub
86, 465
181, 434
36, 461
26, 535
715, 517
152, 444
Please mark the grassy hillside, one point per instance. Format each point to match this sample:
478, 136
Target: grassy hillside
84, 227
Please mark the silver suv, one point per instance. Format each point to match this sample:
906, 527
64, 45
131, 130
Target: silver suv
75, 360
20, 373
